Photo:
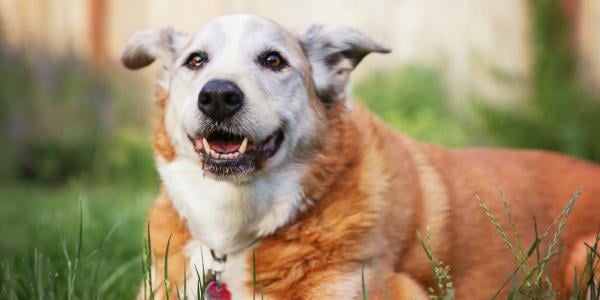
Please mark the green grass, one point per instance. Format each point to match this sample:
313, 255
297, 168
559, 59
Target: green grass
444, 288
71, 242
585, 281
529, 278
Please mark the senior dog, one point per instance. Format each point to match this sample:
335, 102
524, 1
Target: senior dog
276, 184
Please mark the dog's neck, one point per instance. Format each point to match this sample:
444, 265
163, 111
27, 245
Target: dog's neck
337, 148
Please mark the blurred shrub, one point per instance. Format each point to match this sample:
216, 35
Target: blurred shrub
128, 155
62, 119
412, 99
560, 115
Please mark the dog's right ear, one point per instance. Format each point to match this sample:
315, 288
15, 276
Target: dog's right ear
148, 45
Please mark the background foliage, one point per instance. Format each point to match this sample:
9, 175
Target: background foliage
62, 119
560, 115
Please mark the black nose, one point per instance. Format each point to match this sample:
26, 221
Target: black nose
220, 99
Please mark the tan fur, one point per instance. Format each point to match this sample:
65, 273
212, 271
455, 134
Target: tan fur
371, 189
161, 142
164, 224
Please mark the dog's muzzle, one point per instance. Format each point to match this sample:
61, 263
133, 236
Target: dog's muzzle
226, 155
227, 149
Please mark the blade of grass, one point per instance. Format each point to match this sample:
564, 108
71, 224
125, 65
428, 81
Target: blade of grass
514, 230
185, 284
199, 288
362, 281
147, 262
116, 274
499, 228
100, 259
73, 273
561, 225
166, 269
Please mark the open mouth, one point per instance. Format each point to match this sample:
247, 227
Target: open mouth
227, 154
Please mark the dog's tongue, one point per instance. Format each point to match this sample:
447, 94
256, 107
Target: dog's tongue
224, 146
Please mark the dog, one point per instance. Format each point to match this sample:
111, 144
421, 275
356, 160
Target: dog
276, 184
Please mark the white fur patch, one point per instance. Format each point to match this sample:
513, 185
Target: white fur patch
228, 217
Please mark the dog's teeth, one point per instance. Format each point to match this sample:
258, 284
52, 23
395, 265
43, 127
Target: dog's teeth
243, 146
214, 154
206, 146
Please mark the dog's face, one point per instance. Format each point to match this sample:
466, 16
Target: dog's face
245, 94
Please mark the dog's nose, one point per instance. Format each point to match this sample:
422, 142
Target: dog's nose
220, 99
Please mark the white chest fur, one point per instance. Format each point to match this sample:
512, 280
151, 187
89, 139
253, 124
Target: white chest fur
228, 217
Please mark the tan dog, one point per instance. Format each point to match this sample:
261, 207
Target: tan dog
261, 152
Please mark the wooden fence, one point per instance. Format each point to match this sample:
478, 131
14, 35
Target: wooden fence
468, 40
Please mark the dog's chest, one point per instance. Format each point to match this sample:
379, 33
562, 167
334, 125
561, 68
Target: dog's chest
217, 213
236, 272
228, 217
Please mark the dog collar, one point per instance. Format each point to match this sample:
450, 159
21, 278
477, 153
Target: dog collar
216, 289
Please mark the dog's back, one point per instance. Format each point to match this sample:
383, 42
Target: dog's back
451, 184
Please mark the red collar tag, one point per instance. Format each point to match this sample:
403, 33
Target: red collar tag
217, 291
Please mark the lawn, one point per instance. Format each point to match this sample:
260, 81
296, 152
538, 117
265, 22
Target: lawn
41, 223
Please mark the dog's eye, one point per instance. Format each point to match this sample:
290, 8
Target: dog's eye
196, 60
272, 60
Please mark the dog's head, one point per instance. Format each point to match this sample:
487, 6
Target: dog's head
245, 95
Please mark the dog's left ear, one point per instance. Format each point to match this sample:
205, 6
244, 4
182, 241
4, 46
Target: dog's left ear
333, 52
148, 45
